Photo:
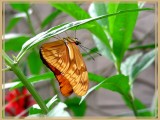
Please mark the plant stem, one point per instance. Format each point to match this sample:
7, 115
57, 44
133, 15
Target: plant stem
131, 99
118, 67
30, 23
133, 105
54, 87
27, 84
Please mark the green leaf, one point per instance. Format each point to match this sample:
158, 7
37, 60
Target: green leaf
129, 63
22, 7
101, 40
95, 78
73, 104
13, 38
35, 79
50, 18
34, 62
12, 22
9, 85
122, 28
51, 101
59, 29
35, 109
90, 90
15, 19
97, 9
112, 8
117, 83
143, 63
77, 12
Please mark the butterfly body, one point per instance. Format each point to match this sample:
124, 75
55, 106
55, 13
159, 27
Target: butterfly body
64, 59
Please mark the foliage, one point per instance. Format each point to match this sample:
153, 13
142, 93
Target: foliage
111, 26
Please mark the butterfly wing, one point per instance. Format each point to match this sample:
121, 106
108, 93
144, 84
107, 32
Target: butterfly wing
55, 56
66, 61
77, 73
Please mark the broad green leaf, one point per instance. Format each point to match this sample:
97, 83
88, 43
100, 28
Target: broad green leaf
50, 18
122, 28
143, 63
59, 29
15, 19
128, 64
35, 79
116, 83
77, 12
120, 84
95, 78
102, 47
34, 62
97, 9
96, 29
112, 8
73, 104
13, 38
22, 7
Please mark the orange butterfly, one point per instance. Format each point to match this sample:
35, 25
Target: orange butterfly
64, 59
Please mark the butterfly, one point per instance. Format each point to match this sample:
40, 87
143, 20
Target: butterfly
64, 59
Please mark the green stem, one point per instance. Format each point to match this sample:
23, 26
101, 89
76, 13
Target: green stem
143, 47
54, 87
27, 84
52, 83
30, 23
133, 105
118, 67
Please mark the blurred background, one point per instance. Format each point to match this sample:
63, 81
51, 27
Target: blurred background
100, 102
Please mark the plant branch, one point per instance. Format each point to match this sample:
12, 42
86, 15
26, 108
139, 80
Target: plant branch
24, 80
54, 87
133, 105
118, 67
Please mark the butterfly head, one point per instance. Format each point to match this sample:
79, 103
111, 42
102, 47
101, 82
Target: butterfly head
77, 42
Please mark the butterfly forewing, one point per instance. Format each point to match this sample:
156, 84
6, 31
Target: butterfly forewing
66, 62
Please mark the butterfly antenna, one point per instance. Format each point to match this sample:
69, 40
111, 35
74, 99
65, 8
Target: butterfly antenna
90, 49
66, 33
58, 36
87, 52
